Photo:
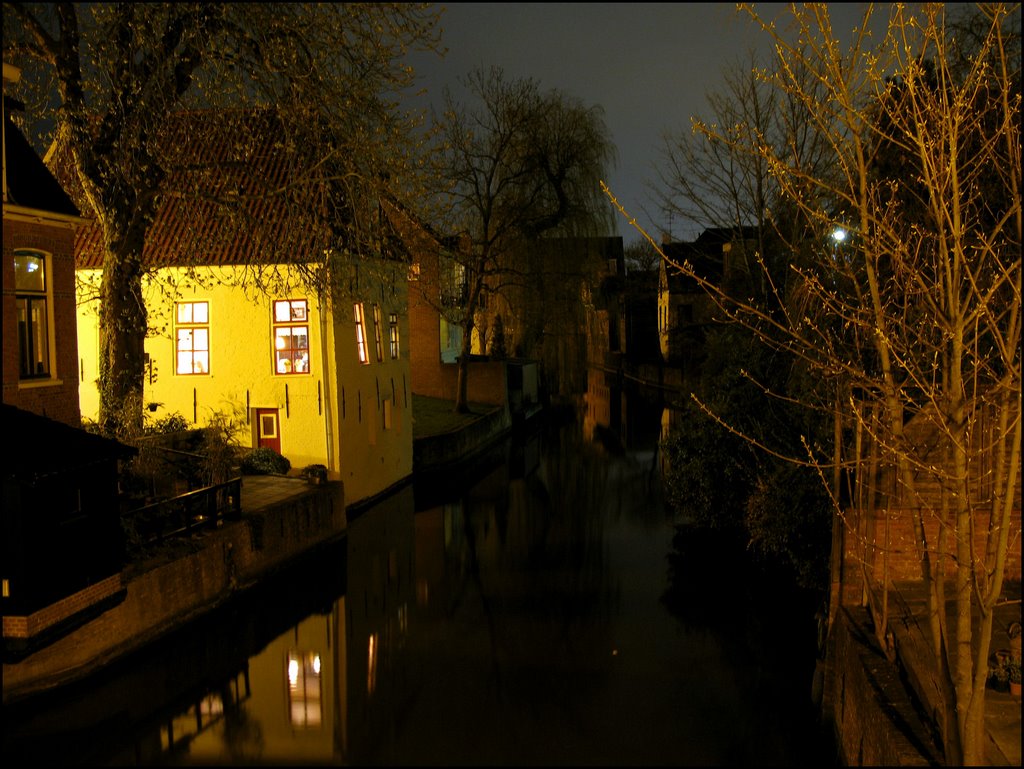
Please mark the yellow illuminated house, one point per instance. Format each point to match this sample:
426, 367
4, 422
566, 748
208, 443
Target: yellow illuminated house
322, 377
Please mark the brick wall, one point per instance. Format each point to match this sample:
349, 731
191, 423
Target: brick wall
486, 379
885, 541
66, 608
56, 398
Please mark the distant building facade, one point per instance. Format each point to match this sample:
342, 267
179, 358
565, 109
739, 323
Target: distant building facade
720, 256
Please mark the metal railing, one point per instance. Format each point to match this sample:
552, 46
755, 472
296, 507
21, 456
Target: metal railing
204, 508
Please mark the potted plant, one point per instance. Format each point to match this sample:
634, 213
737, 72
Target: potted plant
1013, 673
999, 676
315, 474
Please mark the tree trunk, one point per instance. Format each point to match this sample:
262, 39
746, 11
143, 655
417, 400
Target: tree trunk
462, 384
123, 323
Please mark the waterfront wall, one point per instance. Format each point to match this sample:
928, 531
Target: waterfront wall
485, 383
435, 452
185, 581
866, 703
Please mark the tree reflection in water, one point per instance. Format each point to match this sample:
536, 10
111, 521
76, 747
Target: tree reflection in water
545, 613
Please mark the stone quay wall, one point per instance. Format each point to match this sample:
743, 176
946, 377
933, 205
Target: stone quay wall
866, 703
183, 582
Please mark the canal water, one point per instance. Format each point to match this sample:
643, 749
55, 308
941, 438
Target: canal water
544, 609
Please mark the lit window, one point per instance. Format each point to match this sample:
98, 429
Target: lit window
360, 320
32, 289
377, 332
393, 334
192, 327
291, 337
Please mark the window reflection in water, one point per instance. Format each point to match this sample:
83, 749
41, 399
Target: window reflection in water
184, 727
371, 667
304, 690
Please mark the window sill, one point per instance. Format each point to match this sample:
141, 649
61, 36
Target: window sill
35, 384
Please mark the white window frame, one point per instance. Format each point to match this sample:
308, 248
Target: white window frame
32, 296
359, 316
197, 333
393, 338
377, 323
289, 316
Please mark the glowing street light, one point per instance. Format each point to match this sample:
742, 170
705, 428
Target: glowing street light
838, 235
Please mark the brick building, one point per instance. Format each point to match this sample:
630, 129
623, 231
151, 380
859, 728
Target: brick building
63, 547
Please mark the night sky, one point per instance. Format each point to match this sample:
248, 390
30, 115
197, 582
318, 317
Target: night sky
649, 65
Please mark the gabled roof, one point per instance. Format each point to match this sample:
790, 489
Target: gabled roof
705, 260
416, 234
46, 446
229, 178
704, 255
29, 182
719, 236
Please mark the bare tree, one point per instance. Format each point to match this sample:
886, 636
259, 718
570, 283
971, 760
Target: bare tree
715, 173
325, 76
520, 164
916, 316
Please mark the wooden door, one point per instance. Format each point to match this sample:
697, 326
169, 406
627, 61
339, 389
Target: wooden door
268, 429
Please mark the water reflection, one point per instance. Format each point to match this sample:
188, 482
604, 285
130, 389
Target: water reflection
214, 688
289, 713
483, 628
531, 617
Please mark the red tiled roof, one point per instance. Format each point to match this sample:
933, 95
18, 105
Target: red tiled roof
225, 200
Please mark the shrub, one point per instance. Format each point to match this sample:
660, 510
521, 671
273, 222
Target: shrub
264, 461
221, 447
172, 423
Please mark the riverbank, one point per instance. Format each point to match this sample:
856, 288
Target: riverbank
445, 442
282, 518
883, 711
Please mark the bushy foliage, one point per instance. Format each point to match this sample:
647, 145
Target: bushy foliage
789, 519
265, 461
172, 423
708, 478
220, 446
720, 481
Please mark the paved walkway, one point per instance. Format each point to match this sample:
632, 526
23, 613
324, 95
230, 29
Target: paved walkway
1002, 709
262, 491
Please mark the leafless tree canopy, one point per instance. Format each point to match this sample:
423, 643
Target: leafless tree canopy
315, 88
910, 144
518, 164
